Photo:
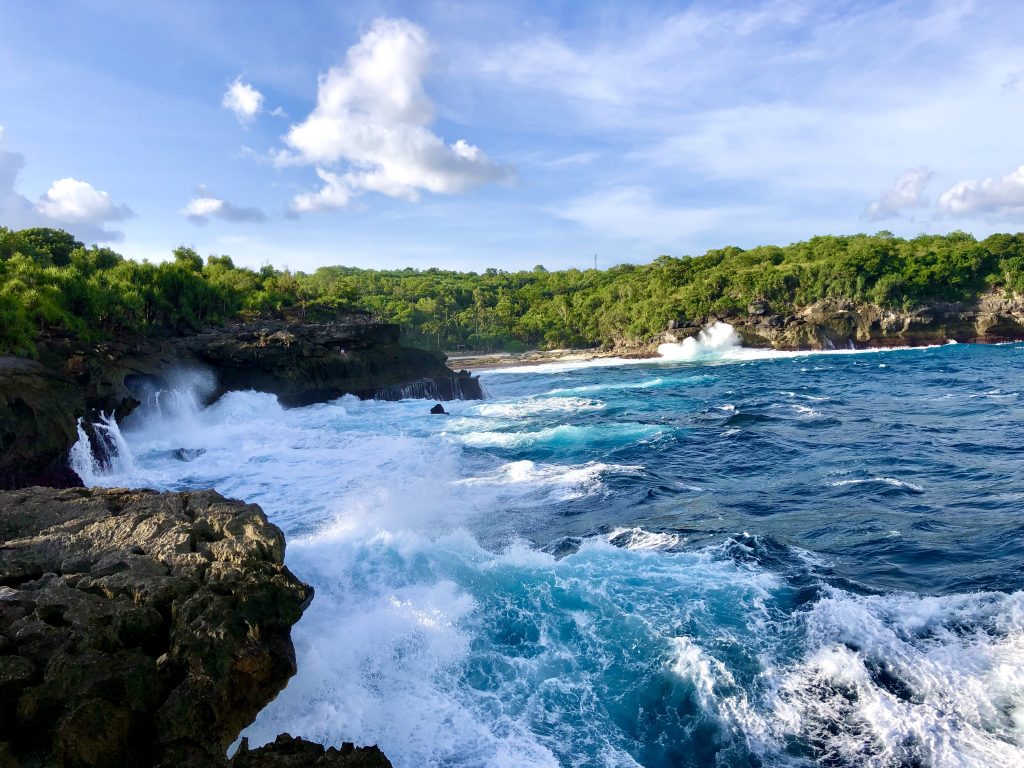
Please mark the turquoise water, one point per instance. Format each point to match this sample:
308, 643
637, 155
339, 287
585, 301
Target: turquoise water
731, 558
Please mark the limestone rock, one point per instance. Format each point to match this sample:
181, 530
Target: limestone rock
138, 628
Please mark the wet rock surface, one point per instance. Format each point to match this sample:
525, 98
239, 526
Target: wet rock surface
138, 628
288, 752
37, 425
993, 317
302, 363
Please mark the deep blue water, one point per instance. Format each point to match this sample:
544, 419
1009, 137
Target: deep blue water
741, 559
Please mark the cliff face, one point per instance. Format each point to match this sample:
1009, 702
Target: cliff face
993, 317
41, 401
36, 424
139, 628
312, 363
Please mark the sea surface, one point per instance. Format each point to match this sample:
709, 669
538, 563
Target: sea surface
724, 557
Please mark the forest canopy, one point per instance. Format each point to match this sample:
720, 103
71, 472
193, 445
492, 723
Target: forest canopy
50, 283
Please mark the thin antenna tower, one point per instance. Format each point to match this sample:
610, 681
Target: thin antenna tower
595, 261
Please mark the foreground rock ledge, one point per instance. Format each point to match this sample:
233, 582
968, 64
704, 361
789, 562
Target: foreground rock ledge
140, 628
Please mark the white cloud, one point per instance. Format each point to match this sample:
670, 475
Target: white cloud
242, 99
68, 203
78, 202
371, 123
205, 206
906, 192
988, 198
335, 193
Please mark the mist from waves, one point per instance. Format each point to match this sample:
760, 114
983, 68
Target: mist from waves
579, 571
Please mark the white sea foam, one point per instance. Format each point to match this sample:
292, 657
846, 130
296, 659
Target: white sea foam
587, 388
714, 341
893, 481
937, 681
639, 538
532, 406
562, 435
572, 482
512, 657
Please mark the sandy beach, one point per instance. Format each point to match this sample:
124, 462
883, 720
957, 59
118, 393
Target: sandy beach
481, 362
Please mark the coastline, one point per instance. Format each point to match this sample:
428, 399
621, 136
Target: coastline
496, 360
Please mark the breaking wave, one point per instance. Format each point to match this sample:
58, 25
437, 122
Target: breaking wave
563, 575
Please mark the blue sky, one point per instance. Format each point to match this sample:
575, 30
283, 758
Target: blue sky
507, 134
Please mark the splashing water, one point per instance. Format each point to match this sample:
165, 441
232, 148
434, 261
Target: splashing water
716, 339
652, 564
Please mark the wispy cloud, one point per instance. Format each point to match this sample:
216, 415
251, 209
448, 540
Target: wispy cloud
905, 193
633, 213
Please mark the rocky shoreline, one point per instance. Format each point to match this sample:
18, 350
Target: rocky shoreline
145, 629
994, 318
42, 400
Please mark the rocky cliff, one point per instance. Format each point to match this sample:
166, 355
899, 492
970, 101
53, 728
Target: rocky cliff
144, 629
993, 317
41, 401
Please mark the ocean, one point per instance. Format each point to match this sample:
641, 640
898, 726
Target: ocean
722, 557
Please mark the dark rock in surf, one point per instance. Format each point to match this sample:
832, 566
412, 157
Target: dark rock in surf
138, 628
438, 409
187, 454
38, 413
289, 752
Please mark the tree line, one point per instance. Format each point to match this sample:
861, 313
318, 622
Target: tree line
50, 283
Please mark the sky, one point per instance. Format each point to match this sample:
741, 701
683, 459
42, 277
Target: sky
507, 134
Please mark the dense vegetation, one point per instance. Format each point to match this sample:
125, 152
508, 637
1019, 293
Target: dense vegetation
51, 283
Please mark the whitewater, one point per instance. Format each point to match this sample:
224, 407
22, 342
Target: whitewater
721, 557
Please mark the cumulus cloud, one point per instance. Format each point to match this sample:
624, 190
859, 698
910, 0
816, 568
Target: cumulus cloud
205, 206
242, 99
68, 203
79, 202
370, 130
990, 197
906, 192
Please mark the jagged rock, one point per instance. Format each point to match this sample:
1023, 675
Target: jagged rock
187, 454
438, 409
41, 401
304, 364
289, 752
138, 628
993, 317
37, 424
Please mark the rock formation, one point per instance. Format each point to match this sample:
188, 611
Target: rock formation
141, 628
288, 752
37, 424
41, 401
993, 317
